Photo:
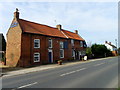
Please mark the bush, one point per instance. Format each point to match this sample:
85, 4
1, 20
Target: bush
100, 51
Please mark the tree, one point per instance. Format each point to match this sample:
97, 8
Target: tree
100, 51
89, 52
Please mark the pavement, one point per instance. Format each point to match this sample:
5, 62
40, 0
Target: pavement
100, 73
45, 67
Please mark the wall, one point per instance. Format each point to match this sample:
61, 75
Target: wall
13, 48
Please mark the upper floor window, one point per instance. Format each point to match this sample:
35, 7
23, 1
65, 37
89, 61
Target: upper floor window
36, 57
36, 43
72, 42
81, 43
50, 43
61, 45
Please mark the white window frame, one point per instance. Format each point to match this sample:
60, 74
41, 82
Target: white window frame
81, 43
61, 44
38, 57
72, 42
50, 40
38, 43
73, 53
63, 53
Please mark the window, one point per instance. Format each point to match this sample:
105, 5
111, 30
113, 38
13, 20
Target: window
61, 53
36, 57
73, 53
61, 45
84, 44
81, 43
50, 43
36, 43
72, 42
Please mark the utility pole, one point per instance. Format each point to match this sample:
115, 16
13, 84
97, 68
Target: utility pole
116, 42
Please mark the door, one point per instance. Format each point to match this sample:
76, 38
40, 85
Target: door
50, 56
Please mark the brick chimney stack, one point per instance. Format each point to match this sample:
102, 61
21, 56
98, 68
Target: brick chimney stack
59, 26
76, 31
16, 14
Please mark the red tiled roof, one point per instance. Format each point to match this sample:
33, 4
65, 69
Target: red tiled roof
32, 27
72, 35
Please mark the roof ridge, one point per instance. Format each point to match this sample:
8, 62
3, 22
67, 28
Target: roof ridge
37, 23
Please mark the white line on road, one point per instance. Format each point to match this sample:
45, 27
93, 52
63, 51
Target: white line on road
99, 64
27, 85
72, 72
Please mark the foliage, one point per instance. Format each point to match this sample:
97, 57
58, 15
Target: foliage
3, 59
88, 51
59, 60
99, 50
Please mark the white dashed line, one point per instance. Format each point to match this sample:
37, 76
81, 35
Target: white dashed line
99, 64
72, 72
27, 85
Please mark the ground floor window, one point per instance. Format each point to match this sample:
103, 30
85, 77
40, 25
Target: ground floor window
73, 53
61, 53
36, 57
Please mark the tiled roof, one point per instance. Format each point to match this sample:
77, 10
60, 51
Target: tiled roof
32, 27
72, 35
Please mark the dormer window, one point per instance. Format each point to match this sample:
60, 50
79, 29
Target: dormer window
36, 43
50, 43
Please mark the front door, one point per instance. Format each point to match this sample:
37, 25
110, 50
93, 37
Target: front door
50, 56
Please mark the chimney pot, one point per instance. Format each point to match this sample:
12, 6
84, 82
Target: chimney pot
76, 31
16, 14
106, 42
59, 26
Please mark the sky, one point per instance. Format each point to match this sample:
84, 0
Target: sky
96, 22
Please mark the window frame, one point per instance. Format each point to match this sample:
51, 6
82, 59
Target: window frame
38, 43
72, 42
62, 52
38, 57
61, 43
51, 43
73, 53
81, 43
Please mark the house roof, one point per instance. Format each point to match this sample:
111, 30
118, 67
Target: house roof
111, 45
32, 27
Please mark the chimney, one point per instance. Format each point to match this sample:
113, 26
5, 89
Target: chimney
59, 26
106, 42
110, 43
16, 14
76, 31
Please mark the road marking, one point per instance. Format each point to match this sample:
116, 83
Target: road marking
27, 85
99, 64
72, 72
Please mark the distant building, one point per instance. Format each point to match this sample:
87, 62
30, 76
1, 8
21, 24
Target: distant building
30, 43
2, 46
111, 47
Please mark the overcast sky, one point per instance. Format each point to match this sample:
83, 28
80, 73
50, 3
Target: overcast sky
96, 22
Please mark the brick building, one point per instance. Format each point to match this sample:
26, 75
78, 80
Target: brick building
30, 43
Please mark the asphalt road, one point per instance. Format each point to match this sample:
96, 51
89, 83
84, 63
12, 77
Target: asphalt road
95, 74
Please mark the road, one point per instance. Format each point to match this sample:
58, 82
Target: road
94, 74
